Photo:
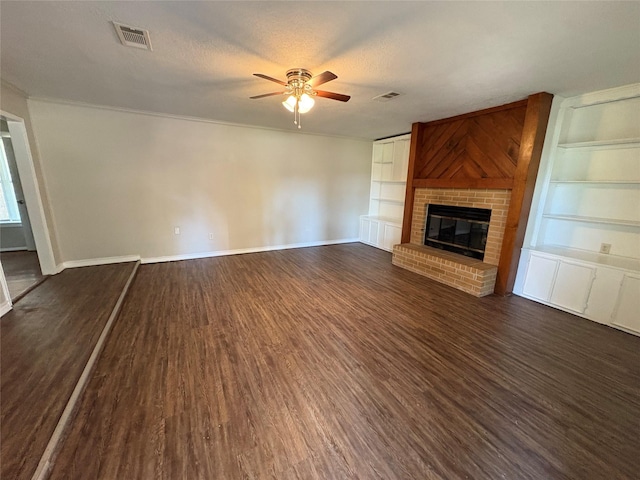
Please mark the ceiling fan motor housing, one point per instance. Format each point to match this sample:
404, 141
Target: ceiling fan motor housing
299, 75
301, 82
297, 79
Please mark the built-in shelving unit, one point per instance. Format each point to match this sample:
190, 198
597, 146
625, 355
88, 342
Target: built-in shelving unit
383, 225
582, 251
600, 182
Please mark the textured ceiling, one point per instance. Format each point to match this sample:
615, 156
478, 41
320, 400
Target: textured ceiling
446, 58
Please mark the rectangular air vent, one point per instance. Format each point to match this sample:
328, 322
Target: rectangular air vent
132, 36
385, 97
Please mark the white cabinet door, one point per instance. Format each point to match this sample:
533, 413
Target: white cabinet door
604, 294
365, 225
374, 229
627, 312
572, 286
391, 236
541, 273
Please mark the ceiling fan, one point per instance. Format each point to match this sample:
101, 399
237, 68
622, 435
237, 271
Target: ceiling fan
300, 90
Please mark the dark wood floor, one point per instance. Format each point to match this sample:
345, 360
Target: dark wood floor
330, 363
45, 342
22, 271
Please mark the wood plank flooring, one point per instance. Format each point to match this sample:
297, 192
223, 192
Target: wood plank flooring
330, 363
22, 272
45, 342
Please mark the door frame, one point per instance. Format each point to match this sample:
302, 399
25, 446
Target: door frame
25, 222
31, 191
5, 299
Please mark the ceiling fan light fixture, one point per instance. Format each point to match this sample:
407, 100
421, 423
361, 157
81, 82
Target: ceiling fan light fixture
300, 90
290, 103
305, 103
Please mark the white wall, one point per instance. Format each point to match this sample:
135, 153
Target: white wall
15, 102
119, 182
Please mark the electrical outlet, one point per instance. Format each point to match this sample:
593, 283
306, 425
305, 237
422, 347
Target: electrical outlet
211, 236
605, 247
176, 230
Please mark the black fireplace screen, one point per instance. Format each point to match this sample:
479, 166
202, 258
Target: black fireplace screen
457, 229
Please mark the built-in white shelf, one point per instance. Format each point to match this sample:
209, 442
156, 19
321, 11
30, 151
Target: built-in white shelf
597, 98
382, 227
604, 221
598, 182
589, 202
395, 221
390, 200
615, 261
612, 143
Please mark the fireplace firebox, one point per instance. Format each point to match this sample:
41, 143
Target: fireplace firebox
460, 230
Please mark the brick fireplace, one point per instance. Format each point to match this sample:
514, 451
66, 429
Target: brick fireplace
466, 274
495, 200
488, 160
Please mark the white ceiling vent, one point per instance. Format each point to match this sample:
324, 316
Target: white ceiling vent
385, 97
132, 36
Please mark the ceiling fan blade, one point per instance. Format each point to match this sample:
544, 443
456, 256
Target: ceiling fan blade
333, 96
267, 95
324, 77
266, 77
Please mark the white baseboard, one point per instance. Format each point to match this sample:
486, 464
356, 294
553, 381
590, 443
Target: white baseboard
13, 249
5, 307
90, 262
221, 253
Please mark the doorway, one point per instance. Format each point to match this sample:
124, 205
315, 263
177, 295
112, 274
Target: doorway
26, 254
18, 252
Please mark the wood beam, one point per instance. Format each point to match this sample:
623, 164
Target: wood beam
416, 140
533, 133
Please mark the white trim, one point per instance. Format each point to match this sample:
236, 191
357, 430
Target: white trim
6, 307
616, 94
66, 418
184, 117
90, 262
31, 191
14, 249
221, 253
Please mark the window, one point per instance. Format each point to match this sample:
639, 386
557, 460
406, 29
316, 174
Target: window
9, 212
